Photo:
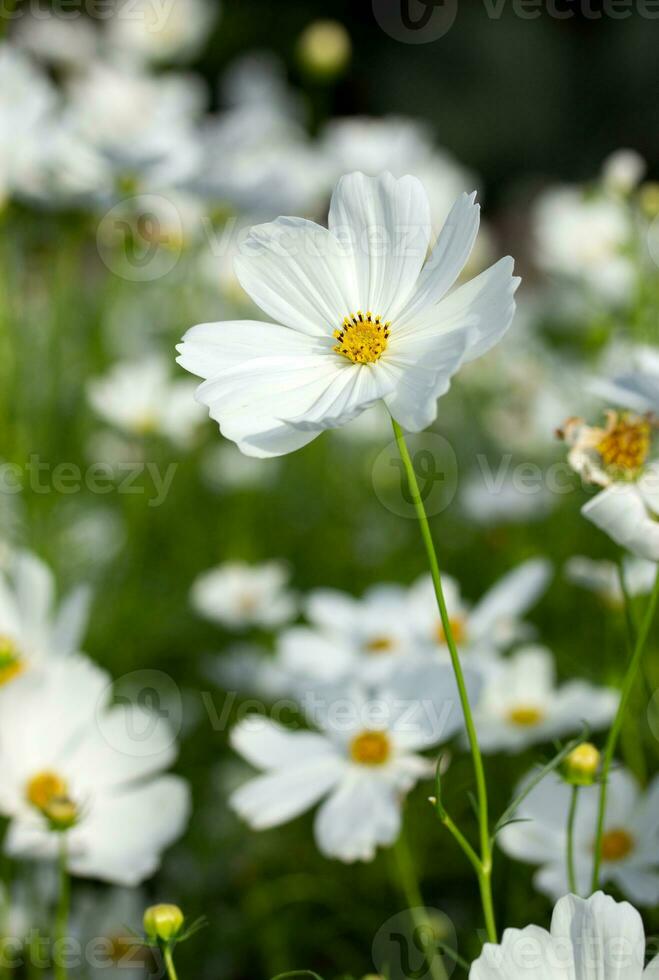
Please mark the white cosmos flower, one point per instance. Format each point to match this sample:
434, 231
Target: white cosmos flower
585, 238
33, 627
360, 317
636, 388
238, 595
630, 845
590, 939
67, 753
615, 457
362, 762
493, 623
603, 577
521, 703
155, 32
141, 398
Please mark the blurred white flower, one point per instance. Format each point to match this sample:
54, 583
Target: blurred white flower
623, 170
584, 238
590, 939
258, 78
504, 500
521, 703
140, 398
144, 125
400, 146
274, 388
493, 623
108, 924
364, 760
27, 101
173, 30
70, 758
637, 388
63, 42
238, 595
630, 845
33, 627
250, 670
615, 457
225, 468
603, 577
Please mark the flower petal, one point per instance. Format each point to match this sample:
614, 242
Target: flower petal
606, 937
385, 223
267, 745
511, 597
283, 794
620, 512
362, 813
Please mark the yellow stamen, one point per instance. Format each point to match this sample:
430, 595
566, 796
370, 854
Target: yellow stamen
458, 629
617, 844
11, 663
379, 644
362, 338
370, 748
525, 716
44, 788
626, 444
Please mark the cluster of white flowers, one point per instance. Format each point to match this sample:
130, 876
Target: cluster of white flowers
84, 770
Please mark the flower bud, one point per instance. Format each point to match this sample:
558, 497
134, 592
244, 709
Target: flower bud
581, 765
324, 49
162, 922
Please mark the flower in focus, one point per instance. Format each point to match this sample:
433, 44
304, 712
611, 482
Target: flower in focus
363, 761
630, 845
603, 577
494, 623
32, 627
585, 238
155, 33
357, 322
74, 763
141, 399
238, 595
615, 457
590, 939
522, 705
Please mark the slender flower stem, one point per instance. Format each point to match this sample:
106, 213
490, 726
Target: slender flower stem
168, 958
485, 874
571, 874
614, 734
62, 912
410, 888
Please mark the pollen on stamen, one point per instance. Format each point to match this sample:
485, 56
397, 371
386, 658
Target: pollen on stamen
362, 338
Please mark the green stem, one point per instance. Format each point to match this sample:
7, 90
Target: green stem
614, 734
410, 888
485, 875
571, 874
62, 912
168, 958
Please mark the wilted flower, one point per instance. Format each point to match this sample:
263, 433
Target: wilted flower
629, 846
363, 323
521, 703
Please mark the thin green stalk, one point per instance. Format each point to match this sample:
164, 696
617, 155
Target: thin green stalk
62, 912
410, 888
614, 734
485, 875
168, 958
571, 874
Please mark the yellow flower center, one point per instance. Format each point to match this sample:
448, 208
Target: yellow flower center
458, 629
44, 788
146, 424
525, 716
11, 663
370, 748
617, 844
626, 445
362, 339
379, 644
